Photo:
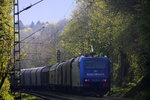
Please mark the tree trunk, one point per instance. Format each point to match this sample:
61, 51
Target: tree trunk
123, 69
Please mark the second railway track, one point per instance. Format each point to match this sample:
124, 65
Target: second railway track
49, 96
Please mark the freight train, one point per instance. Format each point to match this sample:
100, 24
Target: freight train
81, 74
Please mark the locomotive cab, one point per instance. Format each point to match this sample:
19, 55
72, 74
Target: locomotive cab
95, 74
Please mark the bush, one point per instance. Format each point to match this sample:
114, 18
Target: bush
5, 91
143, 95
119, 92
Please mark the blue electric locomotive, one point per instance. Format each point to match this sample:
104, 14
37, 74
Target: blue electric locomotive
95, 74
81, 74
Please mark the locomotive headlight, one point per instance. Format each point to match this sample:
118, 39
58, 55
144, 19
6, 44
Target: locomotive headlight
104, 80
86, 80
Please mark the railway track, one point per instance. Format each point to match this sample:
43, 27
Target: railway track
61, 96
49, 96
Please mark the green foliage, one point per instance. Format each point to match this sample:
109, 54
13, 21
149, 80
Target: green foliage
119, 92
142, 95
118, 29
5, 91
6, 40
29, 97
144, 24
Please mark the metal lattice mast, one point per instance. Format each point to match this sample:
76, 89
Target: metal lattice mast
17, 63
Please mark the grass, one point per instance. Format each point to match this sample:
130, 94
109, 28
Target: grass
29, 97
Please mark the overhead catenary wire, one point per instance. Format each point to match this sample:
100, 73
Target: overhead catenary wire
44, 27
23, 40
28, 7
29, 40
72, 4
41, 43
33, 39
33, 33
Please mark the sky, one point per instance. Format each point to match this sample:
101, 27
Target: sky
46, 11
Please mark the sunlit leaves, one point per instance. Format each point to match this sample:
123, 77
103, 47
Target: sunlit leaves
111, 29
6, 40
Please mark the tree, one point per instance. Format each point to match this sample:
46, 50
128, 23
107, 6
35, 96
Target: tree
6, 41
112, 28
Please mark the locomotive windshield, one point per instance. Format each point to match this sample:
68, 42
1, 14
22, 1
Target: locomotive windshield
95, 64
